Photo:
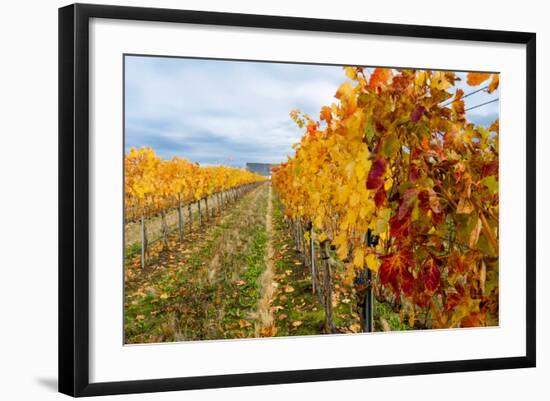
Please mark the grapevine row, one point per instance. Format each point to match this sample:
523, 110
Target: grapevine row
393, 185
154, 186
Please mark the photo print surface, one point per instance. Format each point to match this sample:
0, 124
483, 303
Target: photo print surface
267, 199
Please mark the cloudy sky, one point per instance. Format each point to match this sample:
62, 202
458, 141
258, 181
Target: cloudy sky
231, 112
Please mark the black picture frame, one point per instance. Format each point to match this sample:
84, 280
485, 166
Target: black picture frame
74, 194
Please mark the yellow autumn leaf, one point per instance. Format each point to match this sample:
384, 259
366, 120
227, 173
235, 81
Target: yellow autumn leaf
350, 72
318, 222
344, 91
358, 257
439, 81
372, 262
354, 199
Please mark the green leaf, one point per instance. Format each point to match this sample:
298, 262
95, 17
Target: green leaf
390, 145
370, 132
491, 183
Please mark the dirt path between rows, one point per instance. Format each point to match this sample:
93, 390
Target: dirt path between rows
265, 326
205, 287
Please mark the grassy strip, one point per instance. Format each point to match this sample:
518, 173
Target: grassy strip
297, 311
384, 313
239, 319
191, 292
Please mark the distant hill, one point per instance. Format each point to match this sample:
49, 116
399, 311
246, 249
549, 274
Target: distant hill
260, 168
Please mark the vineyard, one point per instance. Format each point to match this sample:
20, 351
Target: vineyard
154, 187
384, 217
400, 196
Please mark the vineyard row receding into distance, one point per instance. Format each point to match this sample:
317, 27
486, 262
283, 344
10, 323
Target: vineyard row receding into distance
385, 218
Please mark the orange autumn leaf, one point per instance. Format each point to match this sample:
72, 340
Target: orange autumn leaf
379, 77
494, 83
476, 78
326, 114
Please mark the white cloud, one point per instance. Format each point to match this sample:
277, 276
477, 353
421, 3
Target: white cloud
233, 112
195, 103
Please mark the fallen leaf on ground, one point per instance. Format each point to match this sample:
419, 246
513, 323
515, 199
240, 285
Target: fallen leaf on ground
385, 325
269, 331
289, 288
297, 323
244, 323
355, 328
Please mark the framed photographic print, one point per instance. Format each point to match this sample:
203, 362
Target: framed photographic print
249, 199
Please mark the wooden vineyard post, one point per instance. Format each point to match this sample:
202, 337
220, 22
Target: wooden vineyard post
300, 237
327, 301
312, 260
190, 212
305, 245
369, 299
143, 238
206, 214
164, 228
200, 214
295, 231
369, 307
180, 219
213, 214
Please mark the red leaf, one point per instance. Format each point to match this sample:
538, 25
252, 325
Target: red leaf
406, 203
490, 168
380, 197
452, 301
394, 270
407, 282
429, 201
380, 127
417, 113
376, 174
388, 273
432, 275
399, 227
414, 173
